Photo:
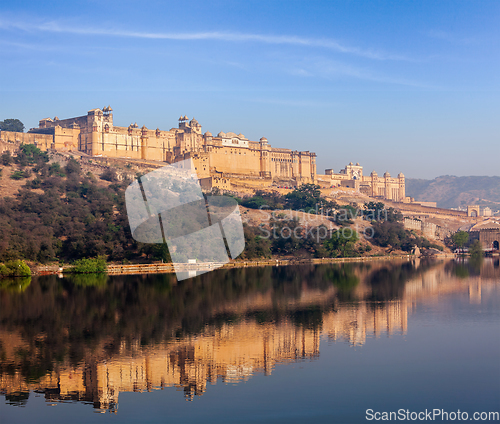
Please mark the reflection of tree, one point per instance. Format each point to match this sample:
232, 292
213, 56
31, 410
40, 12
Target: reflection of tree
465, 267
388, 282
476, 261
31, 370
88, 280
461, 271
18, 284
17, 398
344, 278
311, 317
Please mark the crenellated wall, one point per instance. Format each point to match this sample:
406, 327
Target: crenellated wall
428, 229
351, 176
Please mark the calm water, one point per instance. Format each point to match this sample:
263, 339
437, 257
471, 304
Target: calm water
275, 344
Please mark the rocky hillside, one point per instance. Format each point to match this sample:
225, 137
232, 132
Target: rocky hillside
450, 191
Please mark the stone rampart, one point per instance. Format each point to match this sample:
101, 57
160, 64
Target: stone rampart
428, 229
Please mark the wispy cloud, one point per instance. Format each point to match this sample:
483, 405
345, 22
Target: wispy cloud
26, 46
331, 69
450, 37
326, 43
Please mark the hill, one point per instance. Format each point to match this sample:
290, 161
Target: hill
451, 192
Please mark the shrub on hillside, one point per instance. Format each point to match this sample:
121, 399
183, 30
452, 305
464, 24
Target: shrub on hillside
29, 154
109, 174
72, 167
6, 158
56, 170
19, 175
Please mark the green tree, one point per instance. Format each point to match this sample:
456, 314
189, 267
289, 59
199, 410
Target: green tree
306, 197
374, 211
88, 265
389, 233
14, 125
15, 268
286, 236
255, 202
476, 250
341, 243
460, 238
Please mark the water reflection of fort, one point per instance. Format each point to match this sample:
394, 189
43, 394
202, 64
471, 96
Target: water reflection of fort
231, 352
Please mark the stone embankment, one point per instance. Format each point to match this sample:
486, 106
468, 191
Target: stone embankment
169, 268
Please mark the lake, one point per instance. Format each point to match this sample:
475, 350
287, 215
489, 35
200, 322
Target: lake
336, 343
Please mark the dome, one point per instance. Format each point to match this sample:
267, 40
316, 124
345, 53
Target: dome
374, 174
357, 164
401, 175
263, 140
386, 174
208, 134
350, 163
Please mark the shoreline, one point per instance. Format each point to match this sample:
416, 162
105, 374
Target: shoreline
131, 269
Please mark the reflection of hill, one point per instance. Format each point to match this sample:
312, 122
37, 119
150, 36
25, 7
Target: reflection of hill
137, 334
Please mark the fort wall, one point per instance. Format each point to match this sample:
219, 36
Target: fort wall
214, 156
429, 230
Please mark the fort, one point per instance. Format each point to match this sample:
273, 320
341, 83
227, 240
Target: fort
226, 160
351, 176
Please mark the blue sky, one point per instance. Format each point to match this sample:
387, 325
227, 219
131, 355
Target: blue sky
408, 87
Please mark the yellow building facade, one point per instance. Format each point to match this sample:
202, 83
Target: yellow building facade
222, 156
384, 187
227, 161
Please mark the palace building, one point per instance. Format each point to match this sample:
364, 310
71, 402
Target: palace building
226, 160
225, 154
384, 187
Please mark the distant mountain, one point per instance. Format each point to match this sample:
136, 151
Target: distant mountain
450, 191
